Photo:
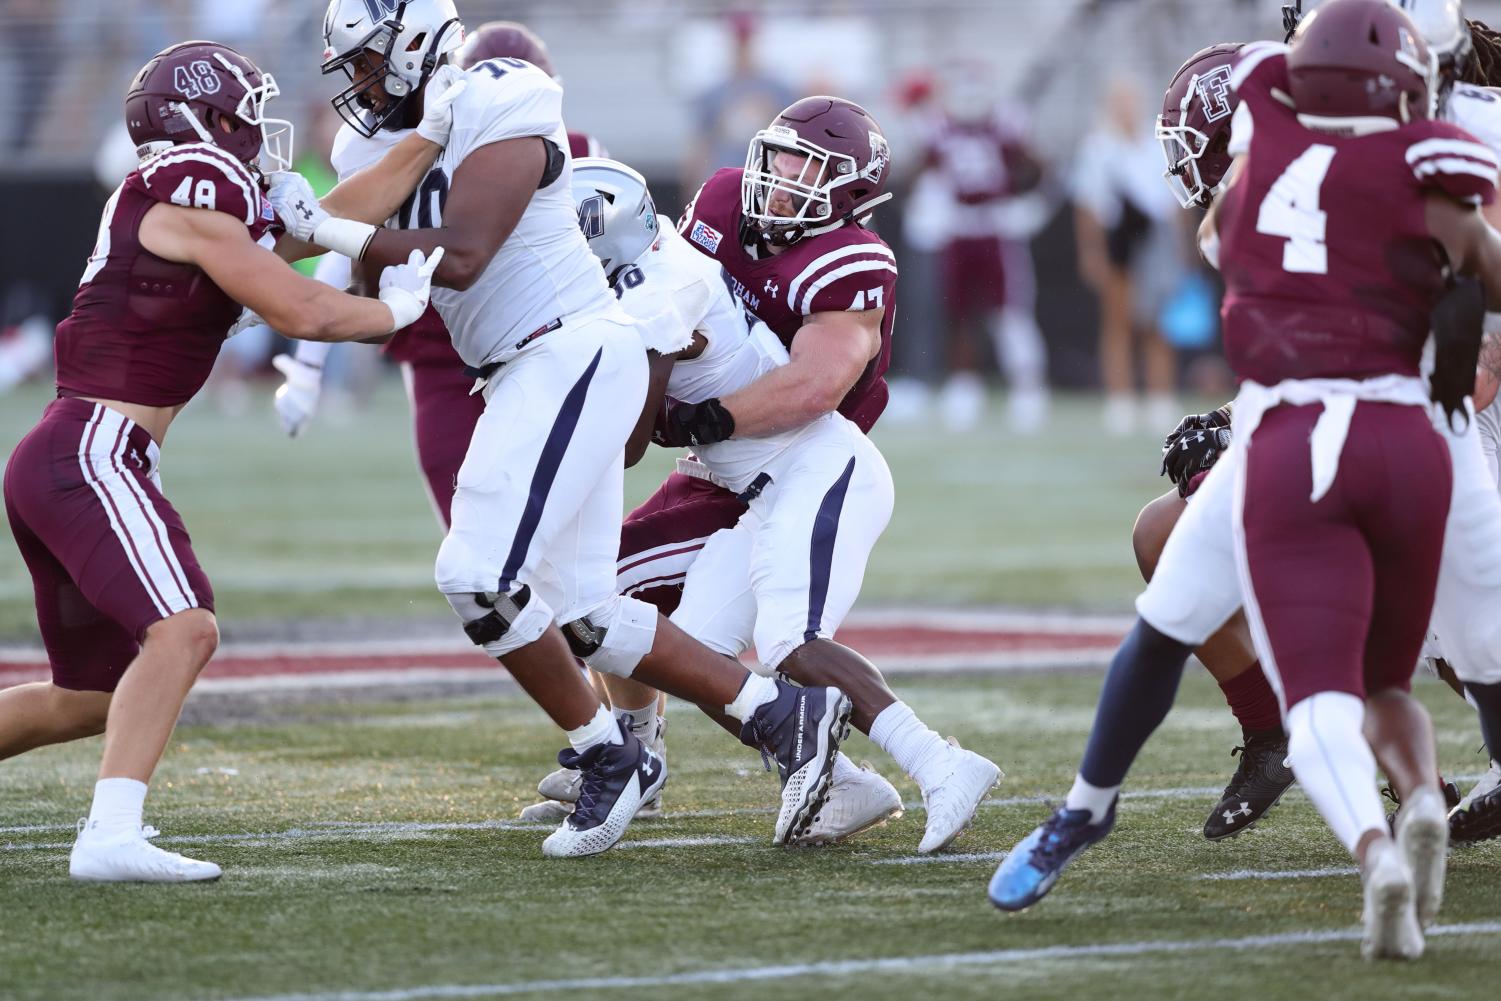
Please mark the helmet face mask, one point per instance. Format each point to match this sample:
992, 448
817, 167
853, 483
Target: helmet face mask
409, 43
1182, 145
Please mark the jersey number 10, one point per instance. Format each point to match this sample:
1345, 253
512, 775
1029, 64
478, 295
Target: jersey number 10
1291, 211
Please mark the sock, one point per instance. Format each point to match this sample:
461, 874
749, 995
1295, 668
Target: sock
909, 741
642, 720
1095, 799
1139, 690
755, 693
1487, 699
1252, 700
602, 729
117, 805
1334, 765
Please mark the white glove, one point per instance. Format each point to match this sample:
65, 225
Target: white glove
295, 203
248, 318
404, 288
446, 84
296, 399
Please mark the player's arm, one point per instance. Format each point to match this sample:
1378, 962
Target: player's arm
255, 277
828, 356
656, 394
1488, 370
491, 189
1473, 247
374, 193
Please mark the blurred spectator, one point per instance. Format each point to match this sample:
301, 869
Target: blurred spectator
1130, 252
978, 172
730, 112
28, 53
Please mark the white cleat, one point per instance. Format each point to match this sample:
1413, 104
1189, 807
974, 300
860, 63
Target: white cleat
129, 858
1490, 780
952, 801
1391, 921
859, 799
562, 785
1423, 834
549, 811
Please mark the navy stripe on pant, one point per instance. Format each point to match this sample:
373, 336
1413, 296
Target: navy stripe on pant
821, 559
547, 471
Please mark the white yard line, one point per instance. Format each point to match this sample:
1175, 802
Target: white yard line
940, 857
1282, 873
852, 967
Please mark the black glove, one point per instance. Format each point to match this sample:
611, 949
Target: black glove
1194, 446
1458, 322
683, 425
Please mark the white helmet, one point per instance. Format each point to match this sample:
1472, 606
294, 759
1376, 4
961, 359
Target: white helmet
1442, 25
616, 212
410, 36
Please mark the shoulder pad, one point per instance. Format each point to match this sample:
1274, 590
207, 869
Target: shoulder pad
1446, 157
855, 273
199, 175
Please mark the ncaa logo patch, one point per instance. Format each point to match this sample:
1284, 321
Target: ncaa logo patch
706, 236
1214, 92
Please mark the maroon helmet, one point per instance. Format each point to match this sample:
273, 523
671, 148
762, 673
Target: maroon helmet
1194, 127
206, 92
505, 40
1356, 66
844, 164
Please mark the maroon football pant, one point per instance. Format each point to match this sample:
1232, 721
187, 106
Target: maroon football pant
443, 418
107, 553
660, 539
1344, 587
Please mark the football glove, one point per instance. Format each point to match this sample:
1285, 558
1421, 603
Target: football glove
1194, 446
296, 399
404, 288
445, 85
684, 425
295, 203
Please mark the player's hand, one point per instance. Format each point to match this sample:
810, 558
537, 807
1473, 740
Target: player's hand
684, 425
295, 203
446, 84
296, 399
404, 288
1195, 446
248, 318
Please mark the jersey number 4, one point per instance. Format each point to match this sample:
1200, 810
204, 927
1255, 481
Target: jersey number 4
1291, 211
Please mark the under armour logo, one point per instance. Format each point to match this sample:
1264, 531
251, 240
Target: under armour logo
307, 213
771, 287
1244, 811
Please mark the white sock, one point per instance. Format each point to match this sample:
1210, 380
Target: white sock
602, 729
117, 805
1095, 799
755, 693
914, 746
642, 720
1327, 750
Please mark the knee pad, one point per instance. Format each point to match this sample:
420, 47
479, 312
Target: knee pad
501, 623
614, 637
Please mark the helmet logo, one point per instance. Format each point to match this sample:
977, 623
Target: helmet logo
592, 216
880, 156
196, 79
1214, 92
380, 9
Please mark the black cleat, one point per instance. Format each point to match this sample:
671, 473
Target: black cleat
1479, 820
1255, 787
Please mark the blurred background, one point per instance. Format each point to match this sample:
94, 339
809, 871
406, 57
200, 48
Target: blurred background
1050, 300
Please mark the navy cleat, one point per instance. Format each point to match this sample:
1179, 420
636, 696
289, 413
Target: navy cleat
616, 780
1027, 874
800, 730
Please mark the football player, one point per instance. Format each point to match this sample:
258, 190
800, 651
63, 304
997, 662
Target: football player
788, 230
527, 564
125, 611
1436, 175
1195, 140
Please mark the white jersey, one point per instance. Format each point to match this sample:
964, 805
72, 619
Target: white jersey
679, 291
544, 271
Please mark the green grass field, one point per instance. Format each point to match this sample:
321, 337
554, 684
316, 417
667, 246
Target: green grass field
364, 860
336, 524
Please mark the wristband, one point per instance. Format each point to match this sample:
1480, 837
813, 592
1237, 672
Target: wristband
344, 236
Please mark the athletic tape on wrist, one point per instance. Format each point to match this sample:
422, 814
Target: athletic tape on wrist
344, 236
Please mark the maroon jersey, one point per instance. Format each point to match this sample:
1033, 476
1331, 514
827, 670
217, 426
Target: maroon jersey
846, 269
1329, 268
145, 330
980, 162
426, 342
